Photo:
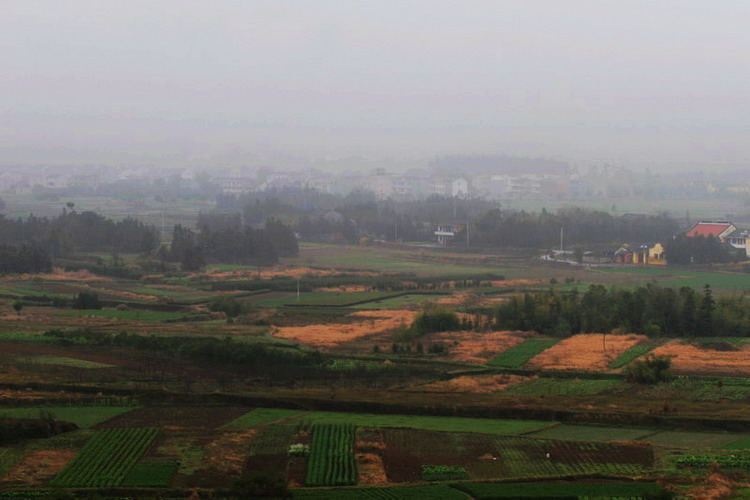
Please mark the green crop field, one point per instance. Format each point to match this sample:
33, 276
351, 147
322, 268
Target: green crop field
260, 416
127, 314
596, 433
29, 337
431, 492
83, 416
517, 356
547, 386
629, 355
154, 472
398, 302
62, 361
693, 440
553, 491
107, 459
331, 460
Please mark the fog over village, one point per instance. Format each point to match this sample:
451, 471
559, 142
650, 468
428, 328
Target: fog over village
341, 250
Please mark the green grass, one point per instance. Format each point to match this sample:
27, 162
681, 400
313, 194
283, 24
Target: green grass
258, 417
740, 444
261, 416
30, 338
631, 354
595, 433
431, 492
517, 356
83, 416
63, 361
552, 491
546, 386
127, 314
9, 457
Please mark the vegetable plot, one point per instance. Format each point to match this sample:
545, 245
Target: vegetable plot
107, 458
331, 460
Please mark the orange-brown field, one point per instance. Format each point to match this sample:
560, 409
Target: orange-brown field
490, 383
691, 359
475, 347
57, 274
591, 352
331, 335
292, 272
39, 466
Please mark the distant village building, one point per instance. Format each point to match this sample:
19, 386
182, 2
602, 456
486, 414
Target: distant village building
641, 253
446, 232
717, 229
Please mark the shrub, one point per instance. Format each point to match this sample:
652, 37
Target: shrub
435, 320
87, 300
649, 370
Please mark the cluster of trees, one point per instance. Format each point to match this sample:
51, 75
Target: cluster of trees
225, 240
583, 227
85, 231
700, 250
651, 310
24, 259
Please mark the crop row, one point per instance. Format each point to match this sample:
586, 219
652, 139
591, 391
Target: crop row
107, 458
729, 461
443, 473
332, 456
151, 473
557, 491
517, 356
433, 492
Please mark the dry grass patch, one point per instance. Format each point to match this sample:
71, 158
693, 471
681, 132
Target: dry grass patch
227, 454
331, 335
58, 274
475, 347
688, 358
483, 384
587, 351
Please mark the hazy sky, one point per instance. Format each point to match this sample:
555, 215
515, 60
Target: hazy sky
245, 81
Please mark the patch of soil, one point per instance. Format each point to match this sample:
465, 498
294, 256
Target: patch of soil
226, 455
585, 352
691, 359
206, 417
368, 449
483, 384
39, 466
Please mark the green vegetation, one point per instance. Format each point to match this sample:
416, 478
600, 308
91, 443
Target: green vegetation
398, 302
331, 460
740, 444
83, 416
519, 355
556, 491
258, 417
443, 473
649, 370
63, 361
634, 352
548, 386
107, 459
431, 492
155, 472
435, 319
732, 461
692, 440
127, 314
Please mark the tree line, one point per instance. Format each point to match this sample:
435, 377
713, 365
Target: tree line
75, 231
650, 310
223, 239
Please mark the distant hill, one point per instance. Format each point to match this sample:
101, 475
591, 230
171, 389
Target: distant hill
477, 165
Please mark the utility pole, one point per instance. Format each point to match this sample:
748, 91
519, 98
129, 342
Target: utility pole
297, 288
395, 230
562, 230
467, 234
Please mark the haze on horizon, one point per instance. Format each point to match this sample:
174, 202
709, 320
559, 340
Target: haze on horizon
182, 82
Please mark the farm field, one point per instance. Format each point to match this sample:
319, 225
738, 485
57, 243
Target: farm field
335, 396
84, 416
490, 426
517, 356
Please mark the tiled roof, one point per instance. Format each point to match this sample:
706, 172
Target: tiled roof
708, 229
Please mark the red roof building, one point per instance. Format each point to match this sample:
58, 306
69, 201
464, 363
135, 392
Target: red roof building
718, 230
